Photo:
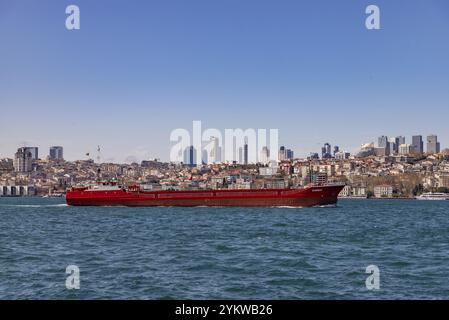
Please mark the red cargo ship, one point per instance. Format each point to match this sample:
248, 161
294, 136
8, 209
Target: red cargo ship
134, 196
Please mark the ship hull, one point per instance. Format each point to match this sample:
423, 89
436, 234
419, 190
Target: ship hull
310, 196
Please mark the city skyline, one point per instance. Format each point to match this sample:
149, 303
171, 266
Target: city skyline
134, 73
213, 154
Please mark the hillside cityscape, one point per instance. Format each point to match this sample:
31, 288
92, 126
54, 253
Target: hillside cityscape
391, 168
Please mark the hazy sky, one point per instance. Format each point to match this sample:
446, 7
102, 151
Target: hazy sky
136, 70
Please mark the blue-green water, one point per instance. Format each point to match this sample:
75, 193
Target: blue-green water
224, 253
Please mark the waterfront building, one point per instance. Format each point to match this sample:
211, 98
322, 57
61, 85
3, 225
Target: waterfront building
433, 146
56, 153
17, 190
443, 180
417, 144
383, 191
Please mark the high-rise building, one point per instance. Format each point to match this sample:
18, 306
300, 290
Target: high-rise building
285, 154
23, 160
326, 151
395, 143
214, 155
240, 156
34, 152
401, 140
405, 149
190, 156
342, 155
336, 150
383, 142
265, 155
282, 153
245, 153
417, 144
314, 156
433, 146
56, 153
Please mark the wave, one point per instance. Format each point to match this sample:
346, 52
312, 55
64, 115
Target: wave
34, 205
287, 207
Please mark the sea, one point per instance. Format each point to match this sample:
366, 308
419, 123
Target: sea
358, 249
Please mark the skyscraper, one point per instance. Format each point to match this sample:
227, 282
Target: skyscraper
34, 152
336, 150
23, 160
433, 146
214, 156
285, 154
326, 151
264, 155
384, 143
401, 140
282, 153
405, 149
190, 156
417, 144
56, 153
245, 153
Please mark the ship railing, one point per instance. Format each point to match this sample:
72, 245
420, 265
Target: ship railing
326, 184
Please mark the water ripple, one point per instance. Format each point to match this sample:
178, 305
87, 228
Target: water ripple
224, 253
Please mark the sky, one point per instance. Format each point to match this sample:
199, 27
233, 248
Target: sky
136, 70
